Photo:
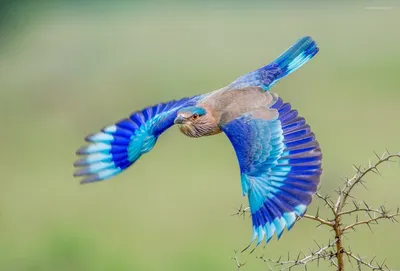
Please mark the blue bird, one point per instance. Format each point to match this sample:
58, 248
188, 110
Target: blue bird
279, 157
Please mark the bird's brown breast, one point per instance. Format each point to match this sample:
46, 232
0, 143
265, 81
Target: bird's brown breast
227, 105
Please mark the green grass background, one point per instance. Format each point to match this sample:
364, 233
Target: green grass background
67, 70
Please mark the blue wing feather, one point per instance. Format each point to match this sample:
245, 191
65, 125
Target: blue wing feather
289, 61
280, 163
118, 146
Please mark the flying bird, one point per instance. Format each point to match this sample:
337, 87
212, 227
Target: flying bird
278, 154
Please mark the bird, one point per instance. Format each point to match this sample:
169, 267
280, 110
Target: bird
279, 157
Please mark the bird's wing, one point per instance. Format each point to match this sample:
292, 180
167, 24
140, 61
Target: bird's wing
118, 146
289, 61
280, 164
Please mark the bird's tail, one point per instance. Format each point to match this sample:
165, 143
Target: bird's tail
296, 56
289, 61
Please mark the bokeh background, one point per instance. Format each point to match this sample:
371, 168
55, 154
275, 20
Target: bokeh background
68, 68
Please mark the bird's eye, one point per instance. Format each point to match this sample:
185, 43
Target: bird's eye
195, 116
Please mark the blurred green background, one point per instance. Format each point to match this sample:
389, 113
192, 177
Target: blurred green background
70, 68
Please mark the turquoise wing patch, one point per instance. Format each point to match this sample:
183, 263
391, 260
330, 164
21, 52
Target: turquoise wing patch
280, 164
118, 146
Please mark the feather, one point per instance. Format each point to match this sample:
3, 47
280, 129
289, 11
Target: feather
280, 163
117, 146
289, 61
279, 157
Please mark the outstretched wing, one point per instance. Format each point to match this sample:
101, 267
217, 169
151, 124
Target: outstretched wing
280, 164
118, 146
289, 61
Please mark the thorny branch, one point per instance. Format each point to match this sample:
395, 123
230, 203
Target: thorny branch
322, 253
374, 265
378, 214
238, 263
241, 211
334, 252
320, 220
360, 174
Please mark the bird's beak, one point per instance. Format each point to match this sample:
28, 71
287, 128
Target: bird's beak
179, 119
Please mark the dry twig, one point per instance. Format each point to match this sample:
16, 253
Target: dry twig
334, 252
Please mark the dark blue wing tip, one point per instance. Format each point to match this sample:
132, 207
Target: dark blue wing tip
313, 52
90, 179
87, 138
289, 227
278, 236
81, 151
309, 43
80, 163
80, 172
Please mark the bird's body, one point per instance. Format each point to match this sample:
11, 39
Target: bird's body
279, 158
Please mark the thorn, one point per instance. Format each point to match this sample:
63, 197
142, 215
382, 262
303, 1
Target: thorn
363, 184
378, 172
347, 194
246, 248
369, 226
383, 155
356, 206
317, 244
356, 168
373, 170
366, 205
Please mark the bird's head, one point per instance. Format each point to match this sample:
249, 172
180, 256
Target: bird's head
189, 115
194, 121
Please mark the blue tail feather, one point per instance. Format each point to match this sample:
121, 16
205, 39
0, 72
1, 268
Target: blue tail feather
289, 61
296, 56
